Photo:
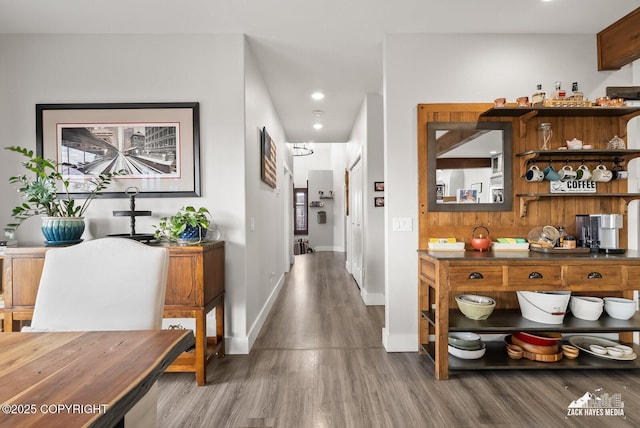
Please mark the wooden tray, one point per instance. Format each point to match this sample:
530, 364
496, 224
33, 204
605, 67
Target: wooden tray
579, 250
548, 358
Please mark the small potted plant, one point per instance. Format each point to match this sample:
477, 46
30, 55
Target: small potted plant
47, 193
188, 225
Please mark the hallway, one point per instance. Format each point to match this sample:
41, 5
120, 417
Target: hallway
319, 362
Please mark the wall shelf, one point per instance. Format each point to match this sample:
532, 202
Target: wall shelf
533, 156
525, 114
525, 198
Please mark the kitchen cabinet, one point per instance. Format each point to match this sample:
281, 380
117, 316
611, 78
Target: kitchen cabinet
443, 275
195, 287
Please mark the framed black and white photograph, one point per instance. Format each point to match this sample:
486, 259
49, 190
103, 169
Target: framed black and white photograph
155, 145
378, 186
496, 164
497, 195
378, 201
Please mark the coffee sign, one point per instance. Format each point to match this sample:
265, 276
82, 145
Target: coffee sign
572, 186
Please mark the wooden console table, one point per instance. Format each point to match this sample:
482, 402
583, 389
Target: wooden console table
195, 285
443, 275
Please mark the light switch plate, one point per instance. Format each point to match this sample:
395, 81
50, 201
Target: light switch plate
402, 224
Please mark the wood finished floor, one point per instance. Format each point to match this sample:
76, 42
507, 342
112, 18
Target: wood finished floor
319, 362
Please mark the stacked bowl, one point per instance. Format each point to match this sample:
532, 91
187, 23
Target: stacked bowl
466, 345
475, 307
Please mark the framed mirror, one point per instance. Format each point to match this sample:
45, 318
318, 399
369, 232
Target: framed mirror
469, 166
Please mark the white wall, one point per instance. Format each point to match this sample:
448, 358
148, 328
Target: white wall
265, 217
366, 140
321, 234
325, 157
208, 69
436, 68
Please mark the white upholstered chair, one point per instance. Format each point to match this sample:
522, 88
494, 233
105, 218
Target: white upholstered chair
104, 284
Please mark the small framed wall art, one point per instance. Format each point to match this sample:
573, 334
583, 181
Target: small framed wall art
378, 186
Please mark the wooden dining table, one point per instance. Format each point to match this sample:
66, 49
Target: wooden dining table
77, 379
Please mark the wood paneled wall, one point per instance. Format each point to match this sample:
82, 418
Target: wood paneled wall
556, 211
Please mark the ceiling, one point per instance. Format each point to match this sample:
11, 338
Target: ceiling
302, 46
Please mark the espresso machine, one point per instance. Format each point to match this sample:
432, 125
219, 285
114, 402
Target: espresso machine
600, 232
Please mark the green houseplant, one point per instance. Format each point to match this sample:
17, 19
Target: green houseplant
188, 225
39, 187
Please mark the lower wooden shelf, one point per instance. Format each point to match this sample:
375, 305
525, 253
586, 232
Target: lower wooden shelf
496, 358
507, 320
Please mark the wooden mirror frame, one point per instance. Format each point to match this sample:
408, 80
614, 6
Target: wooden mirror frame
505, 127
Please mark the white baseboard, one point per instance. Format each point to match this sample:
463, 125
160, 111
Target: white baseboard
262, 316
399, 342
372, 299
236, 345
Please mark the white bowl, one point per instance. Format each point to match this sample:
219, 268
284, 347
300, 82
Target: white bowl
615, 352
467, 355
597, 349
619, 308
586, 308
546, 307
626, 350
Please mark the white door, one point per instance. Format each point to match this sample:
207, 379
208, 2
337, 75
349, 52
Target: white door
355, 213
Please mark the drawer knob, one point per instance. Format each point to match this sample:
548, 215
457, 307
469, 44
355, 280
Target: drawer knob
475, 275
535, 275
594, 275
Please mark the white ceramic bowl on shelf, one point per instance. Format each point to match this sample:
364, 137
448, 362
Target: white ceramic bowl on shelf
619, 308
546, 307
467, 355
586, 308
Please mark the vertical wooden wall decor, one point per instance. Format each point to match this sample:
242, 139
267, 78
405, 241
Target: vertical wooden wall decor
268, 170
346, 191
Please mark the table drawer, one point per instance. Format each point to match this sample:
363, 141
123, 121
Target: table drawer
533, 275
594, 275
475, 276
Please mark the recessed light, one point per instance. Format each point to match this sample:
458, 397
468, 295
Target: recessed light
317, 96
317, 126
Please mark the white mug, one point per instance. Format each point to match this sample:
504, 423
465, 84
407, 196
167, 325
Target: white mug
619, 173
583, 173
567, 173
602, 174
534, 174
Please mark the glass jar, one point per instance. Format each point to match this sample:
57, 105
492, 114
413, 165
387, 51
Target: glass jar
544, 136
616, 143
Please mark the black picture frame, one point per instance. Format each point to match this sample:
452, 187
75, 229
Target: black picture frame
157, 144
378, 201
378, 186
